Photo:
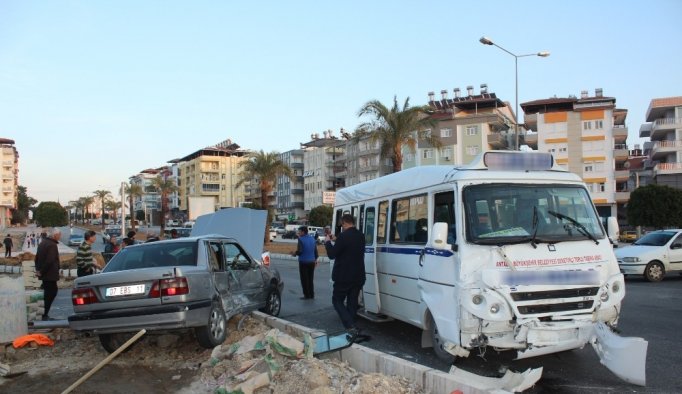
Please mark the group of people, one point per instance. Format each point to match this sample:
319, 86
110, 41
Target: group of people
348, 252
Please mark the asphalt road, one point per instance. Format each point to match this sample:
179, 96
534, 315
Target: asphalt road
650, 310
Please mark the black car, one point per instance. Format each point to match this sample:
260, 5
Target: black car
289, 235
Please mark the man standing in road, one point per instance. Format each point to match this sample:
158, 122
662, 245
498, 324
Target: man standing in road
47, 267
84, 261
8, 245
348, 274
307, 260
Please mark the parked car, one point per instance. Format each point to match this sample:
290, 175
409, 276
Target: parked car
289, 235
654, 255
76, 239
194, 283
628, 236
109, 231
321, 236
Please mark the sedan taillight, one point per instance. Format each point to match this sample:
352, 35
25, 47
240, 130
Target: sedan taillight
83, 296
169, 287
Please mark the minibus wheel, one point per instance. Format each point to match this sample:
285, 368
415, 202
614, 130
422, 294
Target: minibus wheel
437, 342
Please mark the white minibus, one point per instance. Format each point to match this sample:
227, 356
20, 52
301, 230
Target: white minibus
507, 252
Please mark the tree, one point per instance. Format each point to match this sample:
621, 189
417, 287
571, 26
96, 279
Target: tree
51, 214
321, 216
165, 186
133, 190
86, 202
394, 128
265, 168
657, 206
102, 194
24, 204
112, 206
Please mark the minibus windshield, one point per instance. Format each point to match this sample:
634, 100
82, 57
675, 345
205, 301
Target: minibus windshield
512, 213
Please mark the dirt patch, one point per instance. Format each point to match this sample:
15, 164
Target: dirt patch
174, 363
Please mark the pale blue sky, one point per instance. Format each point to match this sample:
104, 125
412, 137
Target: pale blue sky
92, 92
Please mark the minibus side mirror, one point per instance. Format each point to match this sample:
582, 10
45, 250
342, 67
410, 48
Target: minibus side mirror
612, 229
439, 236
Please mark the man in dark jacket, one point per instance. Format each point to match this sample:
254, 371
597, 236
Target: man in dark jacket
348, 274
47, 267
307, 261
8, 245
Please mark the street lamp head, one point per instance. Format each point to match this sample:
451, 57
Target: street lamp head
543, 54
486, 41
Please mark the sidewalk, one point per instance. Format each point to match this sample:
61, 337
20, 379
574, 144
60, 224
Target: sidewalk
24, 232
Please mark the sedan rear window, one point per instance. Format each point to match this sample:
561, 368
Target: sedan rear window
156, 254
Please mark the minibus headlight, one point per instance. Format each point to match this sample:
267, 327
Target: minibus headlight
494, 308
477, 299
604, 296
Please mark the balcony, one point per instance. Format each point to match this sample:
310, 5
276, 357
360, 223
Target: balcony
296, 191
622, 197
531, 121
645, 130
622, 175
8, 177
667, 168
661, 127
620, 153
369, 168
298, 204
7, 203
531, 140
8, 163
620, 134
296, 165
661, 149
497, 141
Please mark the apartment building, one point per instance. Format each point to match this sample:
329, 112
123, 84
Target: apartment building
289, 192
212, 172
362, 161
10, 180
322, 171
587, 135
664, 150
150, 200
467, 125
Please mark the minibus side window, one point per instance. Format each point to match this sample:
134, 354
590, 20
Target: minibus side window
369, 226
381, 225
409, 220
443, 211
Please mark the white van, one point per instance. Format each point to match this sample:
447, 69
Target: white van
507, 252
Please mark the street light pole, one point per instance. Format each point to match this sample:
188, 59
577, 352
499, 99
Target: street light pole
488, 41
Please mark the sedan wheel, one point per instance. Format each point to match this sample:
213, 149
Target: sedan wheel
215, 332
273, 303
654, 271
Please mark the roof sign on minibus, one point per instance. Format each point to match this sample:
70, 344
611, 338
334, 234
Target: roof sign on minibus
516, 161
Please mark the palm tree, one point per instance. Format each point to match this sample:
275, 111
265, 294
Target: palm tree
393, 128
85, 203
112, 206
164, 186
101, 194
265, 168
133, 190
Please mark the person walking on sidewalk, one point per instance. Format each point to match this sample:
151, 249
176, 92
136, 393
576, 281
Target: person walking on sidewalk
47, 268
84, 261
307, 261
8, 245
348, 274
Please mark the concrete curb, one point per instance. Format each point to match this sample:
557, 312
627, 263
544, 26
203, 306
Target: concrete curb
280, 256
369, 360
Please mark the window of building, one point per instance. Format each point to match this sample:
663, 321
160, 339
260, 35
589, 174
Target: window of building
409, 157
562, 150
587, 125
445, 133
446, 153
425, 134
472, 149
409, 220
589, 168
472, 130
598, 124
210, 187
427, 153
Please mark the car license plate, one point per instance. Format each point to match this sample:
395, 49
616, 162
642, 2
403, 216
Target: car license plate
124, 290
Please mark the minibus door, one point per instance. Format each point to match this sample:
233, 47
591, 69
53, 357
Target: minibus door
371, 290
